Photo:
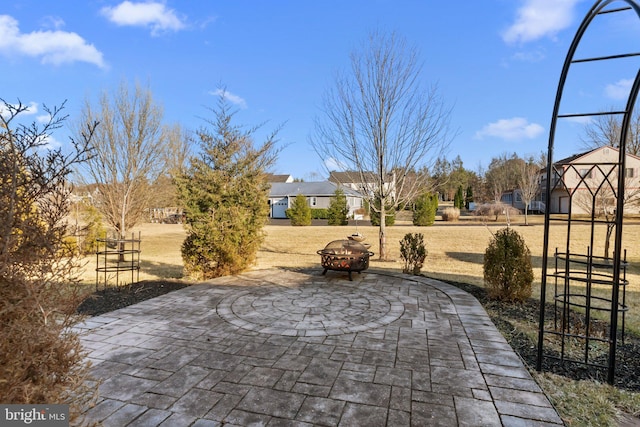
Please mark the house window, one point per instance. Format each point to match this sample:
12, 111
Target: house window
313, 201
586, 173
628, 173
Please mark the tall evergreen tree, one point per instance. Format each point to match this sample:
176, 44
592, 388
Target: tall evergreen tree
468, 198
224, 193
458, 200
338, 208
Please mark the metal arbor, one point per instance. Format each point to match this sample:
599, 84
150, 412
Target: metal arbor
579, 280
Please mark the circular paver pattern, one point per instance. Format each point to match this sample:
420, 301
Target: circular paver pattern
310, 310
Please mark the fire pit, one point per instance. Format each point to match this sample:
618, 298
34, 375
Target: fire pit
345, 255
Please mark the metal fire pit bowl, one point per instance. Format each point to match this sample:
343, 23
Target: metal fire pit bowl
345, 255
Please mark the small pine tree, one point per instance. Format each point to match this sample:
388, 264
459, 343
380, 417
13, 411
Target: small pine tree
468, 198
338, 209
424, 211
300, 212
507, 267
224, 195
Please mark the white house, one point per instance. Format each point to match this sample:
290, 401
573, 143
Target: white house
365, 183
318, 196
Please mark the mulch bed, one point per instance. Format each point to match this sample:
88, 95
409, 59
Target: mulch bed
115, 297
504, 316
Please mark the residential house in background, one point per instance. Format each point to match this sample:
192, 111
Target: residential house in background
279, 178
366, 183
318, 196
513, 198
576, 178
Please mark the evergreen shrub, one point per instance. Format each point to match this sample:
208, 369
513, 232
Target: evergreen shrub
508, 273
338, 209
425, 208
374, 214
300, 212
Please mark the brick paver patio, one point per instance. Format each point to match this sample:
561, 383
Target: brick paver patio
284, 348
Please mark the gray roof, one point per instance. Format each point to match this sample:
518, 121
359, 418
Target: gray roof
323, 188
354, 177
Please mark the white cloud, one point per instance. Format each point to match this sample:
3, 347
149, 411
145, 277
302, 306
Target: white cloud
530, 56
31, 109
148, 14
619, 90
48, 142
333, 164
232, 98
44, 118
52, 47
513, 129
52, 22
581, 120
540, 18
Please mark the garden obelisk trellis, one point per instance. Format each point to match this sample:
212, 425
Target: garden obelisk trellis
578, 276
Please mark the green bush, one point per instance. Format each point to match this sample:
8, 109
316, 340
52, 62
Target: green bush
424, 211
338, 209
412, 252
93, 230
508, 273
374, 214
300, 212
319, 213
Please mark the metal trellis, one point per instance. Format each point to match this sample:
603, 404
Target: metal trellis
579, 280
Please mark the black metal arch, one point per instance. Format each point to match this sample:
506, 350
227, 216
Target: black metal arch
575, 273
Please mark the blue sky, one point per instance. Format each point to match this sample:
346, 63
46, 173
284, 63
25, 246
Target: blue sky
496, 62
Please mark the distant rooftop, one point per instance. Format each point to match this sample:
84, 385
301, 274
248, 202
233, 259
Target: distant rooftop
279, 178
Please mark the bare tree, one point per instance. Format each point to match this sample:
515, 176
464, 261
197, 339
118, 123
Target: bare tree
502, 174
163, 190
41, 357
379, 121
131, 150
528, 181
607, 129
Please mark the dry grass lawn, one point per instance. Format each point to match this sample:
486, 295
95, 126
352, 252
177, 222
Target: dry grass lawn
455, 250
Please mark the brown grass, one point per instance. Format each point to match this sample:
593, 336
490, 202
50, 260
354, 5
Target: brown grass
455, 250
